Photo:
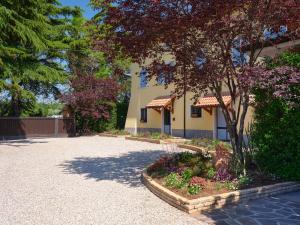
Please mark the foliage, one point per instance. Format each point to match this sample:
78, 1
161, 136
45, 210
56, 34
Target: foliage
92, 99
160, 166
231, 186
218, 186
212, 44
209, 144
172, 180
187, 175
275, 132
117, 132
194, 189
244, 181
33, 39
153, 135
198, 181
222, 163
211, 173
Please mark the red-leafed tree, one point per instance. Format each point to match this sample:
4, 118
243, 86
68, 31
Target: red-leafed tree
215, 44
92, 98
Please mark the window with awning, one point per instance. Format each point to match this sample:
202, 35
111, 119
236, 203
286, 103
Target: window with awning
162, 102
209, 102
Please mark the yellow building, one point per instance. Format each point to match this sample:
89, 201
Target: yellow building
153, 109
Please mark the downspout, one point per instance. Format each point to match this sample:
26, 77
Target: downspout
184, 104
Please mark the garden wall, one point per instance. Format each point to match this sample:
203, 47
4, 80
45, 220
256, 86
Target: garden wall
15, 128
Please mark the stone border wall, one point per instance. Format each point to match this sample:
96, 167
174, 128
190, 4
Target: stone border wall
215, 201
143, 140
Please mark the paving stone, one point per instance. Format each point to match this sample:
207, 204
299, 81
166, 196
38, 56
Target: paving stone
297, 210
272, 206
294, 205
221, 223
216, 215
247, 221
243, 212
267, 215
260, 209
268, 222
231, 222
286, 222
284, 212
294, 217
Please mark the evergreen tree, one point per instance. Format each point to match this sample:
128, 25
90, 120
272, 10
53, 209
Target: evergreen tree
34, 38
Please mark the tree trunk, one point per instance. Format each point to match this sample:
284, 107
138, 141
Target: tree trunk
15, 105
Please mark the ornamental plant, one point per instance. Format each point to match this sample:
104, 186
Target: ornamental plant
214, 43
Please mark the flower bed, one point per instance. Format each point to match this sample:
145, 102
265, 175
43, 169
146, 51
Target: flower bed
194, 175
154, 137
114, 133
205, 143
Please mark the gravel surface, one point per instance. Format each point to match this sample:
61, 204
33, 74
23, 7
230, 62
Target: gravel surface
86, 180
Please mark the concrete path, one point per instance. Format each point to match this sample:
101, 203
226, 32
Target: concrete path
96, 180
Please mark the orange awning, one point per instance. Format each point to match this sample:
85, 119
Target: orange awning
210, 101
161, 102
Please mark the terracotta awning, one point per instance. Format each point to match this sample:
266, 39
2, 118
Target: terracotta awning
210, 101
161, 102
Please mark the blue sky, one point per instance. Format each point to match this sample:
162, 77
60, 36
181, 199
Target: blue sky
88, 12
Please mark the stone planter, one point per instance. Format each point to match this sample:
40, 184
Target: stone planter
215, 201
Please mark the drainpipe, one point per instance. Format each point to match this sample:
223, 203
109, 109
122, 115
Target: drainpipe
184, 104
184, 117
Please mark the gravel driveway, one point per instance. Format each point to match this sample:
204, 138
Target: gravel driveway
86, 180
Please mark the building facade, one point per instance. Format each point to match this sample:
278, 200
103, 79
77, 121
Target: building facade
152, 108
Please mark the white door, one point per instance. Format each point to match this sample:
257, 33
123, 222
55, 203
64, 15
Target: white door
222, 133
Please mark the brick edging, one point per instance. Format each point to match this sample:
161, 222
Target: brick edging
215, 201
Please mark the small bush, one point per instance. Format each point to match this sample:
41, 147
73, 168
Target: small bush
173, 180
231, 186
198, 181
187, 175
244, 181
219, 186
185, 157
194, 189
211, 173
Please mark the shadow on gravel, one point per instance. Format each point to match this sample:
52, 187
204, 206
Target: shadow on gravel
125, 169
21, 142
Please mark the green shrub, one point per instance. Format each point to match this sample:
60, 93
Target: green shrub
244, 181
173, 180
207, 143
219, 186
194, 189
276, 136
185, 157
231, 186
187, 175
211, 173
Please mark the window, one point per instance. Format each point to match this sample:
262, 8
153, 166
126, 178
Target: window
144, 115
160, 79
143, 79
196, 112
